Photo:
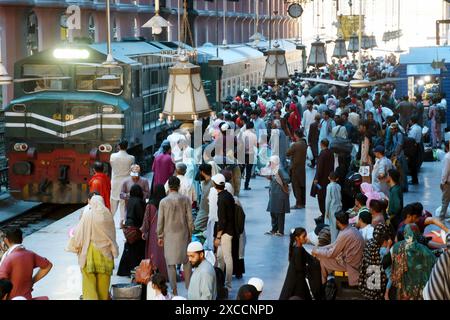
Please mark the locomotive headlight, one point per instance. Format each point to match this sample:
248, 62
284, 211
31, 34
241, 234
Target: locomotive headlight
107, 109
105, 148
68, 54
20, 147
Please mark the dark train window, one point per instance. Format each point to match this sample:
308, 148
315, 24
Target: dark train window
136, 84
154, 78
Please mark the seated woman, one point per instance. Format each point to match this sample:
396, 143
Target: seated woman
412, 263
372, 265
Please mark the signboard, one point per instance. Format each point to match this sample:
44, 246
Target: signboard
349, 24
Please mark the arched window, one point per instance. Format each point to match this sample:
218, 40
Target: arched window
32, 34
91, 28
63, 30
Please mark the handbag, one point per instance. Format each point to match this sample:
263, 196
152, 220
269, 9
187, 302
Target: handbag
144, 272
132, 234
341, 145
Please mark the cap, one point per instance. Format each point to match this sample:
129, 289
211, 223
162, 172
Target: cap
257, 283
218, 179
378, 149
195, 247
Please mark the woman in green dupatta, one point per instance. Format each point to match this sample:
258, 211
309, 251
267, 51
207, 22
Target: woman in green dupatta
412, 263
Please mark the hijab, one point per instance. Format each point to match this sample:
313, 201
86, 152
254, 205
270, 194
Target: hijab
274, 164
412, 263
135, 206
97, 227
372, 259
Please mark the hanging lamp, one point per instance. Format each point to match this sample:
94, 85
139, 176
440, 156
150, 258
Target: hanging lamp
156, 23
318, 54
340, 50
276, 67
186, 99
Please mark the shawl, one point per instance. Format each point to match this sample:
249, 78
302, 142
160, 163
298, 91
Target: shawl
412, 263
96, 226
372, 278
101, 183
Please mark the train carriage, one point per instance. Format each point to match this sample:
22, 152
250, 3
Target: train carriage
70, 110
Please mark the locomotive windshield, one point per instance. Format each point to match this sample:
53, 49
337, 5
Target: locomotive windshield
33, 71
93, 78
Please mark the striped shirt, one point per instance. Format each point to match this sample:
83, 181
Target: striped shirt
438, 286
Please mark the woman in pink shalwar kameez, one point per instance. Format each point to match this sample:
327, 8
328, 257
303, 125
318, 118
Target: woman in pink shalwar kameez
163, 167
152, 251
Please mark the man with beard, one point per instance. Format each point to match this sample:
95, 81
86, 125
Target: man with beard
203, 285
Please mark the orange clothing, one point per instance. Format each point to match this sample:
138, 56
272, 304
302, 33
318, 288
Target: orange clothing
101, 183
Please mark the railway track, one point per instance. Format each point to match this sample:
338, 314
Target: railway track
40, 216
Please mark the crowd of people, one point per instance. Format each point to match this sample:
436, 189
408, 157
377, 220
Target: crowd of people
188, 220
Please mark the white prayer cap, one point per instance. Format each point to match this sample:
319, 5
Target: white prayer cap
195, 247
257, 283
218, 179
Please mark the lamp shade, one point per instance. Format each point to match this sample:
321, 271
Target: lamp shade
373, 41
340, 51
276, 67
365, 42
318, 54
185, 94
353, 45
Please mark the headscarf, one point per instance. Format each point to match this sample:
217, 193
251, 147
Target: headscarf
160, 150
372, 259
368, 190
274, 164
97, 227
412, 263
135, 207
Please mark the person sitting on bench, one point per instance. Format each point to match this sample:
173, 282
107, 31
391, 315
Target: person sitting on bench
345, 254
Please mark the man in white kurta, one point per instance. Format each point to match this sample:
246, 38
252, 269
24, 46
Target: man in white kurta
309, 117
186, 187
121, 163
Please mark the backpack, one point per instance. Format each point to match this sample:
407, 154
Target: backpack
239, 219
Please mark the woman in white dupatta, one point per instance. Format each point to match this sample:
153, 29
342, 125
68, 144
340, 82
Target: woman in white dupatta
95, 244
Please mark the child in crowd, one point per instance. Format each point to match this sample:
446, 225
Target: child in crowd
333, 204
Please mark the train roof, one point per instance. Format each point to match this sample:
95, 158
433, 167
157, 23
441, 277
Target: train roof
73, 96
232, 53
236, 53
419, 55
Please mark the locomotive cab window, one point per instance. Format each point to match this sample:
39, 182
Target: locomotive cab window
93, 78
53, 78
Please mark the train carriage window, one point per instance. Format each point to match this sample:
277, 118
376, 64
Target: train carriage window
136, 84
108, 80
154, 78
45, 72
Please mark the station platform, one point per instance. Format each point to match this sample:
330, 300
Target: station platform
266, 257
